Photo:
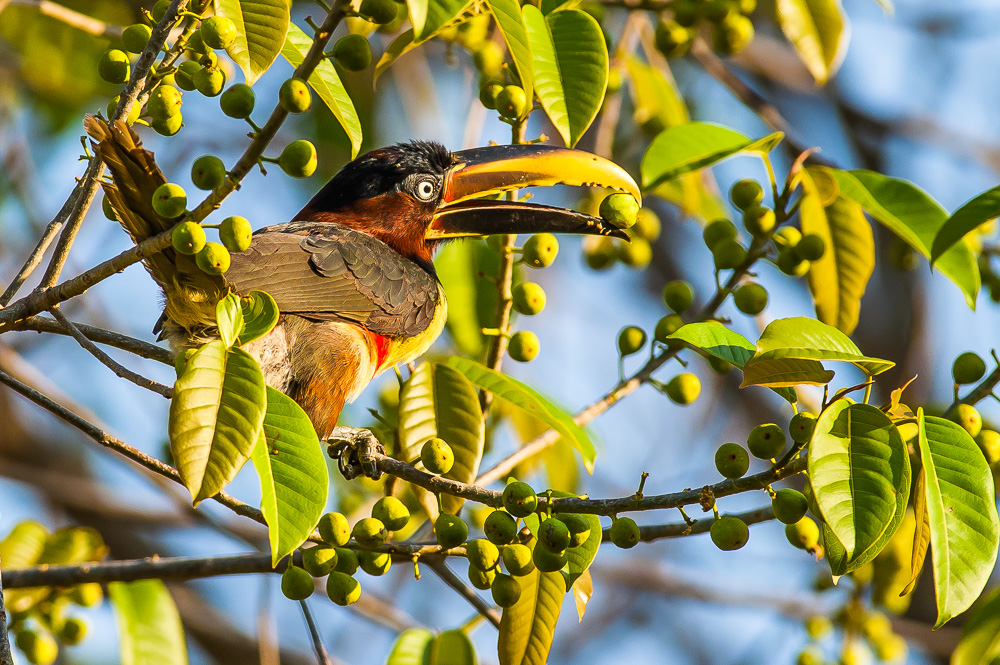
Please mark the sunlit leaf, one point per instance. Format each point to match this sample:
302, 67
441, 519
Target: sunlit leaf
149, 626
819, 31
969, 216
922, 531
980, 641
784, 373
583, 591
327, 84
293, 475
511, 22
216, 415
808, 339
410, 647
961, 511
570, 64
429, 16
526, 627
229, 317
261, 26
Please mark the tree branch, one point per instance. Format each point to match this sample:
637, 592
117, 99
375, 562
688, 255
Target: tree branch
5, 656
101, 336
321, 655
72, 18
453, 580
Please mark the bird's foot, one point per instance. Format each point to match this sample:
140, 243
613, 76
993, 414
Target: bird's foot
355, 448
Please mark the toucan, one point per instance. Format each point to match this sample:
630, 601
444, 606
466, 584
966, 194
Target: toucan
352, 273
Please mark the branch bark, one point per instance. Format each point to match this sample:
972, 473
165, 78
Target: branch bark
101, 336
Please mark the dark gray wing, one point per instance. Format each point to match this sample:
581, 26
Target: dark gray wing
331, 272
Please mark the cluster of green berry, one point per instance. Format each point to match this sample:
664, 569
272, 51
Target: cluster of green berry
969, 368
860, 625
642, 225
39, 639
498, 89
728, 22
528, 298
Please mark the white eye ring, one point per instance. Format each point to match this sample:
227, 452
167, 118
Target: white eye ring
425, 190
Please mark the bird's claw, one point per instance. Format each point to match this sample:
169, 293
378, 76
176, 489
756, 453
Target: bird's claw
355, 450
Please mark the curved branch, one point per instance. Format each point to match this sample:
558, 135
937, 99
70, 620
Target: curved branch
101, 336
72, 18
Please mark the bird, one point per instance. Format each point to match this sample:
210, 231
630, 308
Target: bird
352, 272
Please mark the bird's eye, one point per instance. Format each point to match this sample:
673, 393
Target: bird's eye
425, 189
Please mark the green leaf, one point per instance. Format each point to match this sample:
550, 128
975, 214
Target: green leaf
581, 557
962, 512
429, 16
914, 216
838, 279
526, 627
858, 468
23, 545
717, 340
980, 643
149, 626
327, 84
229, 318
520, 395
695, 145
570, 63
437, 401
807, 339
511, 23
407, 41
452, 647
819, 31
457, 267
784, 373
261, 26
293, 475
965, 220
410, 647
216, 415
260, 315
921, 531
655, 98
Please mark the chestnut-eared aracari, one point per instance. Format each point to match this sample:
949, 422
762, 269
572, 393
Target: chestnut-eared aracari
351, 273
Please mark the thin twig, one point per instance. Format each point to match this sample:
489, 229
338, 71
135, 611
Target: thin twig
101, 336
452, 580
34, 259
110, 362
653, 532
317, 641
5, 656
74, 19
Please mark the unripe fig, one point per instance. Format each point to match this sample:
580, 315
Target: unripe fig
731, 460
684, 388
517, 559
673, 39
746, 193
787, 237
728, 254
500, 527
968, 417
235, 233
636, 254
296, 584
209, 81
482, 554
528, 298
804, 534
678, 295
188, 238
238, 101
766, 441
164, 102
523, 346
818, 627
519, 499
718, 231
375, 564
450, 530
758, 220
647, 225
114, 66
801, 426
169, 200
667, 326
437, 456
789, 505
369, 532
732, 34
334, 529
811, 247
392, 512
73, 631
481, 579
342, 589
184, 75
218, 31
378, 11
353, 53
505, 590
208, 172
298, 159
729, 533
319, 561
347, 561
295, 96
625, 533
167, 126
599, 252
540, 250
968, 368
512, 103
488, 58
750, 298
620, 210
489, 92
579, 528
989, 442
86, 595
133, 113
159, 9
213, 259
791, 263
631, 339
546, 560
554, 534
135, 37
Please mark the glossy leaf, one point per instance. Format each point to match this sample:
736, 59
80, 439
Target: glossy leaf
914, 216
695, 145
961, 511
511, 23
808, 339
858, 468
980, 641
839, 278
410, 647
229, 317
260, 315
429, 16
261, 26
452, 647
327, 84
407, 41
438, 401
149, 626
969, 216
293, 474
785, 373
216, 415
526, 627
819, 31
570, 64
717, 340
922, 532
527, 398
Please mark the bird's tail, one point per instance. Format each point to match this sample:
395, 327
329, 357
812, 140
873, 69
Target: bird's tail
190, 293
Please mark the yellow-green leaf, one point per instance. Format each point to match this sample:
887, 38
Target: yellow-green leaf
819, 31
260, 32
149, 626
808, 339
260, 315
981, 634
526, 627
511, 23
